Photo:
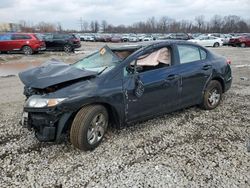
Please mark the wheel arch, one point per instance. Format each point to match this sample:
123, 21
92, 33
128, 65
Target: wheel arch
26, 45
64, 124
221, 81
114, 116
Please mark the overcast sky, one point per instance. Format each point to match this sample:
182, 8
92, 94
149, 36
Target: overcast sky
68, 13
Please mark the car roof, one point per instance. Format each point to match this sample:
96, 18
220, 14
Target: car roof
149, 43
17, 33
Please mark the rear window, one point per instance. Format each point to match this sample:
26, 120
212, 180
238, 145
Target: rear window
76, 36
39, 36
188, 53
4, 37
61, 36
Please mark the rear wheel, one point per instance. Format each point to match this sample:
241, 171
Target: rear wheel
216, 44
27, 50
212, 95
89, 127
243, 45
67, 48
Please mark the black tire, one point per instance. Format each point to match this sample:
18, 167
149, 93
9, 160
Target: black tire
248, 145
212, 95
243, 45
83, 132
216, 44
67, 48
27, 50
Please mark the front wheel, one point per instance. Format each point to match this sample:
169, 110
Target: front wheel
243, 45
67, 48
216, 44
212, 95
27, 50
88, 127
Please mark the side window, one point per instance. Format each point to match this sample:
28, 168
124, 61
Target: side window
57, 37
26, 37
203, 54
5, 37
60, 36
48, 37
151, 61
20, 37
188, 53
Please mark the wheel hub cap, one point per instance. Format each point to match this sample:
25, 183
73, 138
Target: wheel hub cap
96, 129
214, 97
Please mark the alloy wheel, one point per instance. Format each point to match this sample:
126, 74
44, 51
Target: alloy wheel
214, 97
97, 129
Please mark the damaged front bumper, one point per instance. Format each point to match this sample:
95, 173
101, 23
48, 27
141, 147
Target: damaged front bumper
48, 124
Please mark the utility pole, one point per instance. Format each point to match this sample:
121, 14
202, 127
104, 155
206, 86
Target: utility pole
81, 24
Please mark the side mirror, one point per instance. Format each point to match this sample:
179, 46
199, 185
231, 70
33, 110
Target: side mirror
138, 69
131, 69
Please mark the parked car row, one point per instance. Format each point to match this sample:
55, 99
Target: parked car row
218, 39
209, 39
93, 37
59, 41
242, 41
30, 43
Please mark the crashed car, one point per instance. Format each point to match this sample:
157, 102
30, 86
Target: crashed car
118, 87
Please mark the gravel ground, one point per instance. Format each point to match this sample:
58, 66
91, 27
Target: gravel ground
187, 148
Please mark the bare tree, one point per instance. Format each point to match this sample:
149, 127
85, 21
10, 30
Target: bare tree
97, 26
92, 26
164, 23
231, 23
85, 26
151, 25
200, 22
59, 27
46, 27
104, 25
216, 23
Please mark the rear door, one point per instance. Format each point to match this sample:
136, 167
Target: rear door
59, 40
194, 69
205, 41
48, 39
248, 40
20, 40
5, 40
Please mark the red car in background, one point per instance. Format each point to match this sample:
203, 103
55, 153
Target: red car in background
242, 41
28, 43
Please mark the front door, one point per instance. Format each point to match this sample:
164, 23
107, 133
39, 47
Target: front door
150, 93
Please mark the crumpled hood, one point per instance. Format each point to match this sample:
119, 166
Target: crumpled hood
51, 73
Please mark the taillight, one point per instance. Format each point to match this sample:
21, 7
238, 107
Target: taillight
229, 61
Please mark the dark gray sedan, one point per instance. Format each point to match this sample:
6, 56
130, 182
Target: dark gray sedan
120, 86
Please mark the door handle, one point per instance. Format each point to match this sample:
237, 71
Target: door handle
172, 77
206, 67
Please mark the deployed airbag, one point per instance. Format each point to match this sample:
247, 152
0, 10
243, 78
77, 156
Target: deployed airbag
160, 56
